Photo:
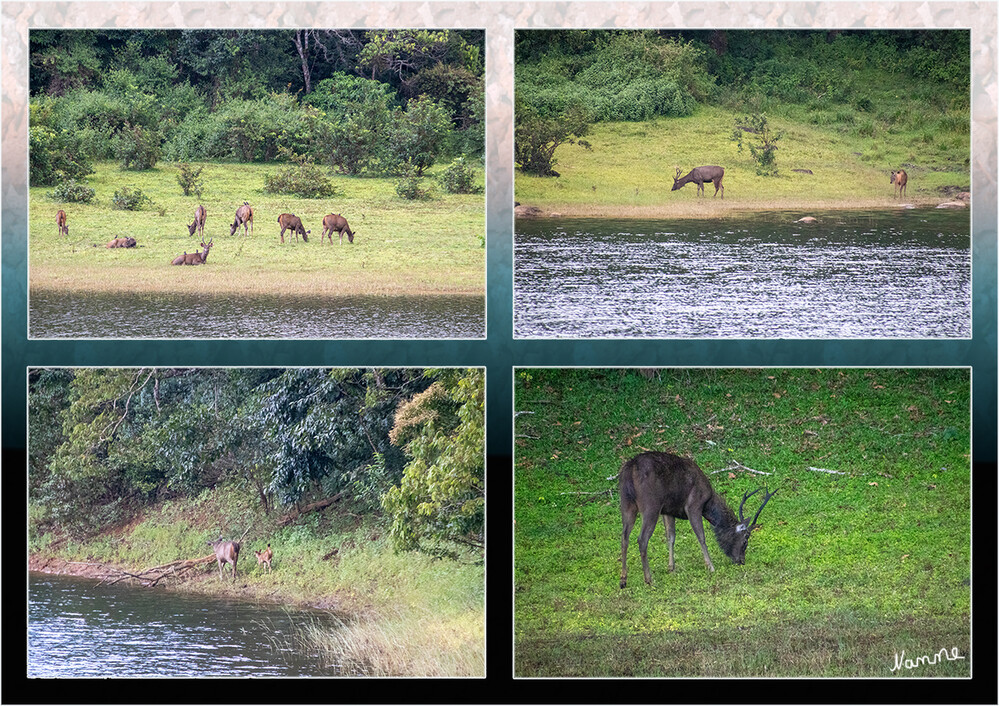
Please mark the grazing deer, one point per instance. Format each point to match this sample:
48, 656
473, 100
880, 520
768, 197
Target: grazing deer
194, 258
199, 222
289, 221
226, 553
654, 484
61, 222
335, 223
265, 557
121, 243
699, 175
244, 217
899, 179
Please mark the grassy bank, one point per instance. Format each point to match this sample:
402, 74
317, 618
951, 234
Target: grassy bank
402, 614
402, 247
629, 170
847, 570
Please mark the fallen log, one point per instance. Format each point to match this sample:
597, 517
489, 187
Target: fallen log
311, 507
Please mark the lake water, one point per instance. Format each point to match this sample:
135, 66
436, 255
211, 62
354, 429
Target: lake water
79, 628
75, 315
903, 274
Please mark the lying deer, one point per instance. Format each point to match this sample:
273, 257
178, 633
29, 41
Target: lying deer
335, 223
654, 484
226, 553
194, 258
289, 221
61, 222
121, 243
265, 557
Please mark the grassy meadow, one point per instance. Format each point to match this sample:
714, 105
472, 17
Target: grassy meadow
401, 614
401, 246
846, 571
629, 170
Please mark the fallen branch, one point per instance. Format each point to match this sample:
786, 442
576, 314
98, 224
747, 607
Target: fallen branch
154, 574
312, 507
826, 470
739, 467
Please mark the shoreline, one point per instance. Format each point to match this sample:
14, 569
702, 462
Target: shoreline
54, 565
719, 209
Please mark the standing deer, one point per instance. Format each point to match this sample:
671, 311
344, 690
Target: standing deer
899, 179
244, 217
654, 484
199, 222
699, 175
194, 258
265, 557
61, 222
226, 553
335, 223
289, 221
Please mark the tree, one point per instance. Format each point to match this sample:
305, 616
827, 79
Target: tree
764, 153
537, 138
439, 506
419, 134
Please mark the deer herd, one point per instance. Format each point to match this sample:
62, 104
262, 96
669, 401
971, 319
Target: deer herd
332, 223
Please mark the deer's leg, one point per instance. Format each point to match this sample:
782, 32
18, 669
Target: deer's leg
669, 522
649, 520
628, 514
698, 526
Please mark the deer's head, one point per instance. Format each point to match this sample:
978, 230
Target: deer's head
745, 529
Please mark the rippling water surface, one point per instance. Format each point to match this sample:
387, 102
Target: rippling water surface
79, 628
897, 274
75, 315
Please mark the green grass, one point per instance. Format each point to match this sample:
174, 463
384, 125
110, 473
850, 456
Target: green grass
845, 571
402, 614
402, 247
629, 171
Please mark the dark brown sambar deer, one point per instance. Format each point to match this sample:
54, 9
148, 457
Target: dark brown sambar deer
61, 222
244, 217
654, 484
289, 221
699, 175
194, 258
226, 553
199, 222
899, 179
335, 223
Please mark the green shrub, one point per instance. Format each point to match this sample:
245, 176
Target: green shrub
458, 178
189, 179
128, 200
53, 154
72, 191
136, 147
303, 177
410, 184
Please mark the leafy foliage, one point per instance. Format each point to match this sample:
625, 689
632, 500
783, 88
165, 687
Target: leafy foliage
127, 199
72, 191
440, 503
765, 152
458, 178
190, 179
303, 178
537, 138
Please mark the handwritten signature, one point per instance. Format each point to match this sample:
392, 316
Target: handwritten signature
901, 660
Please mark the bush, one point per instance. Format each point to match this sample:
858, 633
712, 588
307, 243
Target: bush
54, 154
302, 178
537, 138
136, 147
72, 191
410, 184
764, 153
190, 179
419, 135
128, 200
458, 178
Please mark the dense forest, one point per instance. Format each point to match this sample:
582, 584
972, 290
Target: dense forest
403, 443
365, 103
865, 83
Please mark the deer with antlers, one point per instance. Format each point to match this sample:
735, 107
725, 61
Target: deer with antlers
654, 484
